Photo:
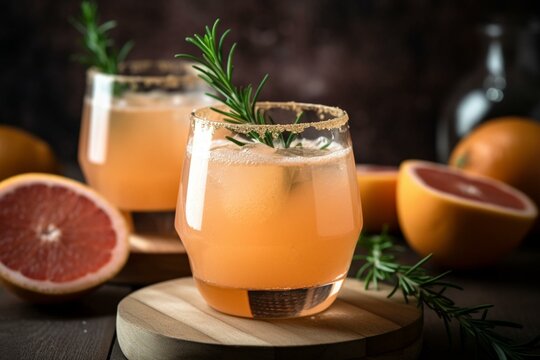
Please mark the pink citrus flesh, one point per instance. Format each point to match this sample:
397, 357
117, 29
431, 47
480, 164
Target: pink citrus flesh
470, 188
57, 236
463, 220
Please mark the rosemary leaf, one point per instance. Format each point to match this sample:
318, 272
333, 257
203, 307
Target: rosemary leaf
99, 46
414, 281
217, 71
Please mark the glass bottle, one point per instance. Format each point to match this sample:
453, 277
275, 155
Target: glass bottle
507, 83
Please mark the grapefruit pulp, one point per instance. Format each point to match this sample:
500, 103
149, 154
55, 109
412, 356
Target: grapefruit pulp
464, 220
377, 186
506, 149
58, 238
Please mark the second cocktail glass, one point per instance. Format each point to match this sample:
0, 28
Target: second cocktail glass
270, 229
133, 134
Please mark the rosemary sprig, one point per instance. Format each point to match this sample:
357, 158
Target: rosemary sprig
429, 291
215, 67
99, 50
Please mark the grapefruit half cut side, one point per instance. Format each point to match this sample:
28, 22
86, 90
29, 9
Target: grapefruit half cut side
58, 238
464, 220
377, 185
506, 149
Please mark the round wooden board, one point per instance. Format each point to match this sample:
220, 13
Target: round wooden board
170, 320
152, 259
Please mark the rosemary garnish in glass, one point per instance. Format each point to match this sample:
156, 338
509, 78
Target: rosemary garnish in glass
215, 67
100, 52
429, 291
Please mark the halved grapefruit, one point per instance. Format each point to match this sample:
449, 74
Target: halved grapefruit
506, 149
58, 238
464, 220
377, 186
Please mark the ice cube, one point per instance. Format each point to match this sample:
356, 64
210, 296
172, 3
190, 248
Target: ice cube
300, 152
220, 145
259, 151
250, 189
321, 142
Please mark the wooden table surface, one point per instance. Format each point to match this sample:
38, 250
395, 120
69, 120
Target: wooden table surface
86, 329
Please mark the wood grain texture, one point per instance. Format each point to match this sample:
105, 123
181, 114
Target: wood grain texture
171, 320
79, 330
409, 352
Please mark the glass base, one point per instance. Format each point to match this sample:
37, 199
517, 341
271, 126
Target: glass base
270, 303
157, 223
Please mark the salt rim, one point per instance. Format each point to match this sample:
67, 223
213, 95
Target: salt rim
168, 79
340, 118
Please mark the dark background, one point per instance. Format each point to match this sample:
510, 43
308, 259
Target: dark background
391, 64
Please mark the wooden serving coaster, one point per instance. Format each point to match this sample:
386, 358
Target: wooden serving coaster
170, 320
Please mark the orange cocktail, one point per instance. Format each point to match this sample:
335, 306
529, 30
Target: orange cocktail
270, 232
134, 131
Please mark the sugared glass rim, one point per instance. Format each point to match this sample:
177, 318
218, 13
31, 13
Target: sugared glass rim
169, 78
338, 118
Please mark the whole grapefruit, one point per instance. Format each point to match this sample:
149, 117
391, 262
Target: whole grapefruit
506, 149
22, 152
464, 220
377, 186
58, 238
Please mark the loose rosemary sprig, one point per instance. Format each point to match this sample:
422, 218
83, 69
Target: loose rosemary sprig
429, 291
99, 50
215, 67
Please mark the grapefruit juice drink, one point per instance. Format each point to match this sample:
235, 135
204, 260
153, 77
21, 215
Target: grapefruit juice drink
270, 232
137, 163
133, 134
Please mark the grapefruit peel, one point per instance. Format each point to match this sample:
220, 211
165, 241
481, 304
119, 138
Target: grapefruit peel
460, 232
45, 290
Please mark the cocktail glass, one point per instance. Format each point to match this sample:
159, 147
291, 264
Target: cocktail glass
270, 231
133, 135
